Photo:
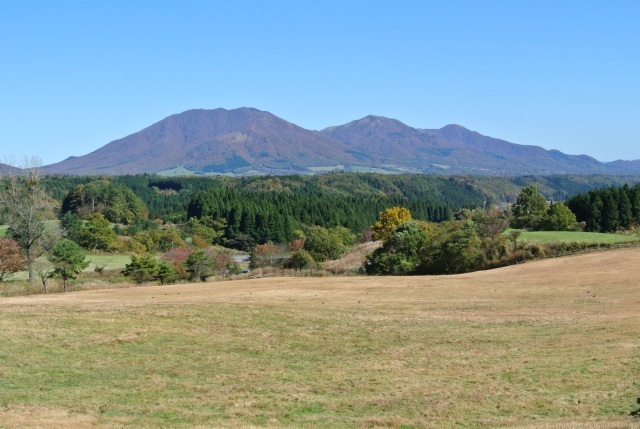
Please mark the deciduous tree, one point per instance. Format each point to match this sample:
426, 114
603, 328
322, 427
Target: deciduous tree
388, 221
11, 258
530, 208
323, 243
559, 218
96, 233
24, 206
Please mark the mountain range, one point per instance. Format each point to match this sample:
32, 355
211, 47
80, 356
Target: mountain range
249, 141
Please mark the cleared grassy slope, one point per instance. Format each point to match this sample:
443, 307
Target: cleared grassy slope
550, 344
576, 236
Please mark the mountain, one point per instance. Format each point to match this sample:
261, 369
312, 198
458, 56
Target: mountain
210, 141
633, 165
250, 141
6, 169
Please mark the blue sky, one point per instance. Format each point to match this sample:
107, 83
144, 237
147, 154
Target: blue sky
558, 74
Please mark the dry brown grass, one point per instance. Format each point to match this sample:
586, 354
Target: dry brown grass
352, 261
548, 344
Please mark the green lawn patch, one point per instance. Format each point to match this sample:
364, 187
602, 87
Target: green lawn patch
109, 262
576, 236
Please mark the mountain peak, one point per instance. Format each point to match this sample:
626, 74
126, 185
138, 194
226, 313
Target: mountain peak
247, 140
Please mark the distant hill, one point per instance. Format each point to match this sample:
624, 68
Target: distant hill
5, 168
249, 141
628, 165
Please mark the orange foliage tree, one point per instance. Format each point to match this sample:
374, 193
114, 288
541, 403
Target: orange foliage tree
11, 259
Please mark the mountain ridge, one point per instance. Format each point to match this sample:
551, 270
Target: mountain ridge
247, 141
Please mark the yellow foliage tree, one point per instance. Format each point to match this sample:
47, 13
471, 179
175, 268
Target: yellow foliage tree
388, 222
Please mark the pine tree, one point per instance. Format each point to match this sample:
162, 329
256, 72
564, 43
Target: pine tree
68, 259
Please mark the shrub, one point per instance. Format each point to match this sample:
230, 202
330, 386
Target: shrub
200, 265
68, 259
323, 243
143, 268
264, 255
301, 260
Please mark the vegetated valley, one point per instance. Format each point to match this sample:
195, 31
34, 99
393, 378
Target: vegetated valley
507, 335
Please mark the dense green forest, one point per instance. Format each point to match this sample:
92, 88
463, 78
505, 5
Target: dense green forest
169, 198
607, 209
263, 209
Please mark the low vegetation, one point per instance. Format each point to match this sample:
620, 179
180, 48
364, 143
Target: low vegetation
548, 344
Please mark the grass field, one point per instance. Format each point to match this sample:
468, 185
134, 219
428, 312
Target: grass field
109, 262
546, 344
48, 224
575, 236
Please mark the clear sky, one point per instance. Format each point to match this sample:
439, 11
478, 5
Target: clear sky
75, 75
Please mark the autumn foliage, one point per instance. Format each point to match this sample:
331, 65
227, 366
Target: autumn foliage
388, 222
11, 259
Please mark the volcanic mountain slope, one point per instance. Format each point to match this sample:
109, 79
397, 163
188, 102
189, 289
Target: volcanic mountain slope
509, 157
250, 141
453, 149
217, 141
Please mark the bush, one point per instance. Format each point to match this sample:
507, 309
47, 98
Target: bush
264, 255
301, 260
143, 268
200, 265
323, 243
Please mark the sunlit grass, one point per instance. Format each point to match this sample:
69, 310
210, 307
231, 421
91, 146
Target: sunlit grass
546, 344
576, 236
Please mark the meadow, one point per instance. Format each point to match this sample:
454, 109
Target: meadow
576, 236
545, 344
49, 224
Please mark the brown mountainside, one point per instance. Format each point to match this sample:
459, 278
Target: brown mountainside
251, 141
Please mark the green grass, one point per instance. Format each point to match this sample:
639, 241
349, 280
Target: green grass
576, 236
178, 171
109, 262
49, 224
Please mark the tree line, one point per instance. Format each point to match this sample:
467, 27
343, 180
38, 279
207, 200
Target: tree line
607, 209
317, 217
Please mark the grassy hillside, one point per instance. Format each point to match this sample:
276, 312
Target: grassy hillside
576, 236
109, 262
548, 344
